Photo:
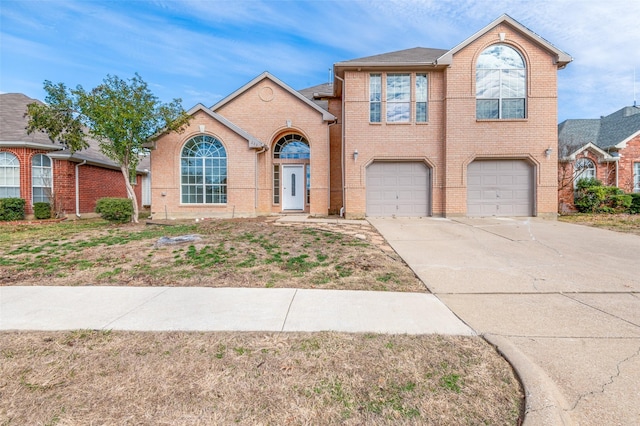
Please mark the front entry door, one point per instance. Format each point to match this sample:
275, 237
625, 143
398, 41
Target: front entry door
293, 187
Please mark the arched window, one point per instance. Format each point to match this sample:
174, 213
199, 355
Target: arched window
42, 182
583, 168
292, 147
9, 175
500, 83
203, 171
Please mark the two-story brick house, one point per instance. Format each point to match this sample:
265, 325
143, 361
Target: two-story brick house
419, 132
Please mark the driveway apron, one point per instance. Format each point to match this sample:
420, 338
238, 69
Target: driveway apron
560, 301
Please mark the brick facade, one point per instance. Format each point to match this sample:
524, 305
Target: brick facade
95, 182
447, 143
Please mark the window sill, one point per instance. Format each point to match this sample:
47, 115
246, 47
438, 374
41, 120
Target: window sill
500, 120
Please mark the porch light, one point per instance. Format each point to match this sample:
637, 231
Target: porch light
355, 155
548, 152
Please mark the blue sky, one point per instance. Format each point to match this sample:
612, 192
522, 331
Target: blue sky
201, 51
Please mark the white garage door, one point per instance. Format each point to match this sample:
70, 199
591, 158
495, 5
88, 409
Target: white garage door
500, 188
398, 188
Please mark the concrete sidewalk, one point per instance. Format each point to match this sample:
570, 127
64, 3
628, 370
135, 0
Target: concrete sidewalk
560, 301
224, 309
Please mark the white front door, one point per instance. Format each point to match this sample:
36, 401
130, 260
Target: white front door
293, 187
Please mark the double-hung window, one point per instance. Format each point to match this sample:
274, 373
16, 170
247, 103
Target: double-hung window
41, 176
405, 98
500, 83
9, 175
636, 177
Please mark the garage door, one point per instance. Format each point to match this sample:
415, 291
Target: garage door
500, 188
398, 188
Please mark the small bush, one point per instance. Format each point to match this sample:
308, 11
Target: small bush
115, 209
592, 197
11, 209
634, 207
42, 210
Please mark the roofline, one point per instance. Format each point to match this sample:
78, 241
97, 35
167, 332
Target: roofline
253, 141
326, 115
34, 145
605, 155
623, 143
562, 58
78, 158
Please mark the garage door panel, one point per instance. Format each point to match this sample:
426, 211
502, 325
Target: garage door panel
500, 188
397, 188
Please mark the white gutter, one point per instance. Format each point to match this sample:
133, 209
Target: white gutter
78, 187
344, 86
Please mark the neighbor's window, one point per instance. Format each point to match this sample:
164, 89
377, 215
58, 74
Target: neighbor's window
421, 98
500, 83
636, 177
204, 171
583, 169
9, 175
41, 178
398, 98
375, 98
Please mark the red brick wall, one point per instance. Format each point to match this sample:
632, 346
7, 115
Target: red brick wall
95, 182
628, 156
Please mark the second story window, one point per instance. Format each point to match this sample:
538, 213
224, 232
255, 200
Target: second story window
405, 98
500, 83
375, 98
398, 98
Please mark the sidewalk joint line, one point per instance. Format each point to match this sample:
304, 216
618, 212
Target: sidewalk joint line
105, 327
286, 317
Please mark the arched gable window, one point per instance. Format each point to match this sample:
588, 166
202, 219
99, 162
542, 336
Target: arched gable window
500, 83
42, 182
292, 147
203, 171
9, 175
583, 168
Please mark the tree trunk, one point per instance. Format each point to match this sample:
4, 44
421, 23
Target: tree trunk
131, 193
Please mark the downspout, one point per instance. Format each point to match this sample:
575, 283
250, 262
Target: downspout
329, 163
78, 187
342, 162
255, 190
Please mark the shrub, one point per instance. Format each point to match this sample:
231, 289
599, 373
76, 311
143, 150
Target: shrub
42, 210
592, 197
11, 209
115, 209
634, 207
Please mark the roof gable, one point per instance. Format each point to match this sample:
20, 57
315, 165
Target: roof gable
252, 140
561, 58
611, 131
326, 115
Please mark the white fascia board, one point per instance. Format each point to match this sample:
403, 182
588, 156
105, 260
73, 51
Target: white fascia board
252, 140
33, 145
623, 144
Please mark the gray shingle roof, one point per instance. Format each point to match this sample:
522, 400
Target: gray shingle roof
314, 94
13, 123
415, 56
605, 132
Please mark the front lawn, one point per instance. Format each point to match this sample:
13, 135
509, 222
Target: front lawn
227, 253
627, 223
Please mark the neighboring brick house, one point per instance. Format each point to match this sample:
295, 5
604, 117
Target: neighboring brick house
469, 131
37, 170
606, 148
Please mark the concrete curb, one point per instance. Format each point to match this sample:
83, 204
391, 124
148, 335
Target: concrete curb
544, 404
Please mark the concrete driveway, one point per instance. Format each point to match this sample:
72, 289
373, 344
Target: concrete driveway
560, 301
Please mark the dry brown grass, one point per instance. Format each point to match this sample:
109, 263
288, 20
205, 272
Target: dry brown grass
92, 377
626, 223
231, 253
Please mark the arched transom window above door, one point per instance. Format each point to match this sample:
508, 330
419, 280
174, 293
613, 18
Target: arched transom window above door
500, 83
292, 147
